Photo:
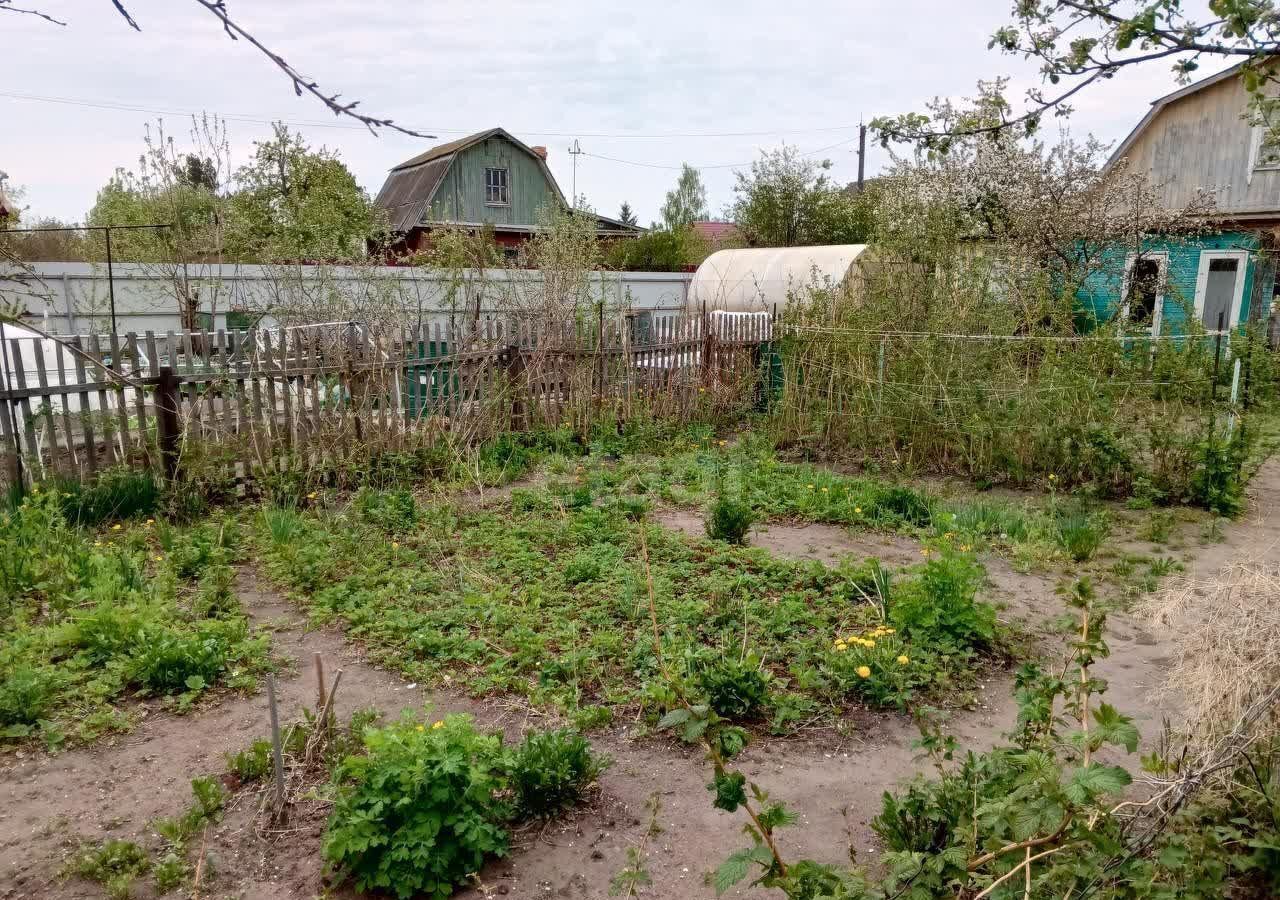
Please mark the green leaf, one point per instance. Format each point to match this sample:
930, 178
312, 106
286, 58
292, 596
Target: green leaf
1115, 728
673, 718
1092, 780
733, 870
196, 683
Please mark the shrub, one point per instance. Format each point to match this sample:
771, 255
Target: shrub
1216, 483
395, 512
252, 763
591, 563
729, 519
904, 505
940, 610
419, 811
550, 771
735, 689
116, 494
25, 694
171, 660
113, 863
1080, 534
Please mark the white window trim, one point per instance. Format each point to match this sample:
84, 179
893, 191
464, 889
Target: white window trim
1157, 313
1202, 284
1255, 152
507, 185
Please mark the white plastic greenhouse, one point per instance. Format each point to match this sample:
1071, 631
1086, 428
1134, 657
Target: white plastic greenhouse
764, 280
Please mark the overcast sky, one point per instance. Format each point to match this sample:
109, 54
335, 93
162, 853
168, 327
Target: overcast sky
646, 82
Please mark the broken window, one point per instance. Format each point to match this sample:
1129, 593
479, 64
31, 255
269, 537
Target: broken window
1144, 289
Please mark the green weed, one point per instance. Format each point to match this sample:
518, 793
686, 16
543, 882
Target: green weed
550, 771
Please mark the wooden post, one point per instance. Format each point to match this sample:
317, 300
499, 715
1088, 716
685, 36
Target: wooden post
277, 754
515, 372
167, 421
319, 661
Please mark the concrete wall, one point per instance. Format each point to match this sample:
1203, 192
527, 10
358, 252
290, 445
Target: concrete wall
74, 298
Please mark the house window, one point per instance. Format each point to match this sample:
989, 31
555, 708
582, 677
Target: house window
1144, 290
495, 187
1266, 147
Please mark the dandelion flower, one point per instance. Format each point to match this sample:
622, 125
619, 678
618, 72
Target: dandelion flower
395, 544
840, 646
810, 487
116, 527
422, 728
151, 521
890, 631
868, 644
438, 723
903, 660
864, 671
824, 490
311, 496
158, 558
723, 443
857, 510
97, 543
924, 551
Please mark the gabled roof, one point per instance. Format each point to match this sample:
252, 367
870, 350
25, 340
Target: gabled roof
407, 192
1158, 105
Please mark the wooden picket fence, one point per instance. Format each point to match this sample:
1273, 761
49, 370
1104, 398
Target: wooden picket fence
265, 398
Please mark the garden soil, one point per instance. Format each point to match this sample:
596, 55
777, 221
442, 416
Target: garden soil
50, 804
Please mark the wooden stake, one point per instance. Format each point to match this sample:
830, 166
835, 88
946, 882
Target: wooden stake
277, 754
319, 661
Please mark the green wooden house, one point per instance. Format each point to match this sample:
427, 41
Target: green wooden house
489, 179
1198, 137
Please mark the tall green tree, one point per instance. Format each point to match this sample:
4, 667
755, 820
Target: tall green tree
788, 200
625, 214
294, 203
687, 202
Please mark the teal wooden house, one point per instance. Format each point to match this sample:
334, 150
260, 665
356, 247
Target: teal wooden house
486, 180
1196, 138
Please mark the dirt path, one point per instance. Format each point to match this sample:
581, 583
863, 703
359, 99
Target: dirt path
50, 804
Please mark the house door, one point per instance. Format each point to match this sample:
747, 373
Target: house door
1220, 288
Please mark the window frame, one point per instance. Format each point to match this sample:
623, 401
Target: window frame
1255, 153
1237, 295
506, 186
1161, 258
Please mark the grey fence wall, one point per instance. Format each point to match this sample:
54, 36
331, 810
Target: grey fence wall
74, 298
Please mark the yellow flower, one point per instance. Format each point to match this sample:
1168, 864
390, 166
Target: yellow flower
116, 527
864, 672
868, 644
422, 728
840, 646
723, 443
702, 390
924, 551
438, 723
857, 510
151, 521
395, 544
824, 490
1053, 477
903, 660
890, 630
158, 558
311, 496
810, 487
97, 543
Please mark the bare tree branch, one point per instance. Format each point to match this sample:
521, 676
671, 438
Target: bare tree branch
7, 6
235, 31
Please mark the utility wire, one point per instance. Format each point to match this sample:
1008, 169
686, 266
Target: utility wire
311, 123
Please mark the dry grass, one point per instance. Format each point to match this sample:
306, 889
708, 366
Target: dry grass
1228, 656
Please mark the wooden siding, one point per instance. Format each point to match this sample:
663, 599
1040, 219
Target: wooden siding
1101, 292
1203, 141
461, 196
